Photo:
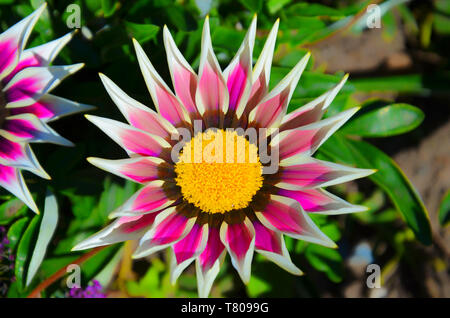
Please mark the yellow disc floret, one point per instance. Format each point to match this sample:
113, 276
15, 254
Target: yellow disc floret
219, 171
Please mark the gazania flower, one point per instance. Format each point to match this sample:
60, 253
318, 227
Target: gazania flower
198, 198
25, 105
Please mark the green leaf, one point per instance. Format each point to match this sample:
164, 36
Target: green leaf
109, 7
326, 260
275, 5
314, 10
11, 209
252, 5
142, 32
257, 286
411, 83
24, 249
382, 121
389, 177
15, 232
444, 209
46, 230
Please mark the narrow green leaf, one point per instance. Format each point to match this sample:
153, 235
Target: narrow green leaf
46, 230
444, 209
142, 32
15, 232
383, 121
109, 7
326, 260
24, 249
389, 177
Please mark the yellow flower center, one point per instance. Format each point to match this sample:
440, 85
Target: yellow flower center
219, 171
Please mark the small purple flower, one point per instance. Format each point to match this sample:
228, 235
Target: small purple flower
6, 263
91, 291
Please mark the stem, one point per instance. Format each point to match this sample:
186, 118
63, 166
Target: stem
46, 283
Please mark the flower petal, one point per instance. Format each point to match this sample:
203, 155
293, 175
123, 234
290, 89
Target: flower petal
212, 93
170, 227
238, 73
140, 169
13, 40
137, 114
122, 229
272, 108
186, 250
133, 140
208, 263
239, 239
29, 128
286, 216
19, 155
312, 111
308, 138
148, 199
31, 83
300, 172
271, 244
261, 71
11, 179
183, 76
41, 55
167, 104
50, 108
321, 202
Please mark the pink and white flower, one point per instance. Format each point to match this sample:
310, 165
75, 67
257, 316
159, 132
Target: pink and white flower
202, 210
26, 107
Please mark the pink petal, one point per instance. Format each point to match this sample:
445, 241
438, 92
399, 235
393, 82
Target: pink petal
261, 71
212, 93
167, 104
239, 239
320, 201
13, 40
238, 73
148, 199
266, 239
299, 173
11, 179
137, 114
183, 77
190, 245
271, 110
8, 55
307, 139
169, 228
141, 169
213, 250
31, 83
312, 111
29, 128
123, 229
133, 140
285, 215
50, 107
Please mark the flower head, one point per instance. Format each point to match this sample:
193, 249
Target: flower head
242, 176
26, 79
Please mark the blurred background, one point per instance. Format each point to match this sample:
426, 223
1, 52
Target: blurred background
399, 73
